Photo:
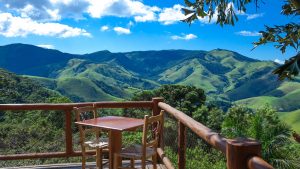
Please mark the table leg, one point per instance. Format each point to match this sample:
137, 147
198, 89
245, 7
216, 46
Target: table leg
115, 146
98, 158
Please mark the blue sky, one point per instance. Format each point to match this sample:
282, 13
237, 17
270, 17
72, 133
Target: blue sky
86, 26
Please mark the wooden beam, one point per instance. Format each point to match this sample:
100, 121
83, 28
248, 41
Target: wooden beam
258, 163
166, 161
181, 146
68, 106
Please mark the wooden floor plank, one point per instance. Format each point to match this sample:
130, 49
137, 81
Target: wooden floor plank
90, 165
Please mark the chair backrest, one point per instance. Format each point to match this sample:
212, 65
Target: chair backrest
152, 125
85, 113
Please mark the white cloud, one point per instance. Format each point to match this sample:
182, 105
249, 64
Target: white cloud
122, 8
248, 33
56, 10
171, 15
11, 26
279, 61
120, 30
104, 28
253, 16
184, 37
46, 46
46, 10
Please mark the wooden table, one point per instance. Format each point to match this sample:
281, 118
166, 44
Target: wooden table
115, 125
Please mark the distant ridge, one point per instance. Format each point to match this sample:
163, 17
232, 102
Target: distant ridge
104, 75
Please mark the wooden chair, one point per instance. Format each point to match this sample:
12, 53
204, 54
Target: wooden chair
150, 139
98, 143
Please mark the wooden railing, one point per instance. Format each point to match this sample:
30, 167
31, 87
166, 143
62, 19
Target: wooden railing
240, 153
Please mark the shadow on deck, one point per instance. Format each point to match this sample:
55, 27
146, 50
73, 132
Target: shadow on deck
90, 165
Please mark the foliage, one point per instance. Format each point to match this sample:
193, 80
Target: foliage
290, 68
211, 117
263, 125
236, 122
16, 89
224, 10
184, 98
200, 159
29, 131
283, 36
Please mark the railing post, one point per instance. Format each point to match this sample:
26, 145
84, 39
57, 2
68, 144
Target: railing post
155, 111
239, 150
181, 145
68, 132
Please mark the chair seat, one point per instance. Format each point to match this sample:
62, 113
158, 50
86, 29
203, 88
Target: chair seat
135, 151
101, 143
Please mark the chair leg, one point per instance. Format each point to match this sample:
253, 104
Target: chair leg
132, 163
98, 158
154, 161
83, 157
143, 163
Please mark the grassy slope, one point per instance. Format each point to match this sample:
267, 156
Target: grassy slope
191, 72
82, 89
283, 98
82, 80
292, 119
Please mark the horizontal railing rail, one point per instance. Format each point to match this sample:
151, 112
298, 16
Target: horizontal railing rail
69, 106
239, 153
258, 163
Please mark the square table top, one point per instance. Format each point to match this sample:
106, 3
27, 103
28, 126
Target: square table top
113, 123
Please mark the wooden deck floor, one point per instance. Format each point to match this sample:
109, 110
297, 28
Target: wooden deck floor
90, 165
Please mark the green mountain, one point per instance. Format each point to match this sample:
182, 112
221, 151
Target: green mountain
32, 60
17, 89
113, 76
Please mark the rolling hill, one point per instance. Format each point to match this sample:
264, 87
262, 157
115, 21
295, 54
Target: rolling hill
284, 98
115, 76
102, 76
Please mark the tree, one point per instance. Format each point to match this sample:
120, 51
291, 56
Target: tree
236, 122
184, 98
283, 36
264, 125
211, 117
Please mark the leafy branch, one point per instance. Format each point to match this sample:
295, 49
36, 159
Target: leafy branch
224, 9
